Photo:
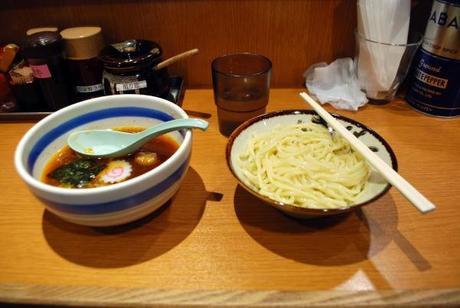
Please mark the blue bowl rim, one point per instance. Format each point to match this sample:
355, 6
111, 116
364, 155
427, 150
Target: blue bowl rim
37, 184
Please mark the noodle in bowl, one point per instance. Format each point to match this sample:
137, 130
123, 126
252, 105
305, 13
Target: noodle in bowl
289, 160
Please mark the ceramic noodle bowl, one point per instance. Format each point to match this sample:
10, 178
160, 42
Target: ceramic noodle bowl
114, 204
376, 185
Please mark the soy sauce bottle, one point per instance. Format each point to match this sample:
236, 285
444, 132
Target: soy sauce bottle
44, 53
82, 46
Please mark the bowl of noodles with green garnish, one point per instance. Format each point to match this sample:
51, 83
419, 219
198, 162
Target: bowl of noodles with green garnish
291, 161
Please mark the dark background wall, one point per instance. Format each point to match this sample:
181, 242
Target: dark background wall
293, 33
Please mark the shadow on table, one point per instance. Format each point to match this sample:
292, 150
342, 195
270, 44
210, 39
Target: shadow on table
198, 114
400, 107
135, 242
329, 241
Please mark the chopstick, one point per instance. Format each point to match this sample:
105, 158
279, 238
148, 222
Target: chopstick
406, 189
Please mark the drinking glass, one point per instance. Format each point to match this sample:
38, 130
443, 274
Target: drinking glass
382, 67
241, 84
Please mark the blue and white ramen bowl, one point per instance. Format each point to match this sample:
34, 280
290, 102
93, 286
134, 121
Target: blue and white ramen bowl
109, 205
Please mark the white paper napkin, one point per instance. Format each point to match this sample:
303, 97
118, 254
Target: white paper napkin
336, 84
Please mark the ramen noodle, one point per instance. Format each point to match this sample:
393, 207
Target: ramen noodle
303, 165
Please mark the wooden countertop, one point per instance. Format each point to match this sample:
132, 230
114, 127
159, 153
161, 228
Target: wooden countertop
216, 245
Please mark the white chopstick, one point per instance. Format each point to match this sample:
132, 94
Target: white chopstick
412, 194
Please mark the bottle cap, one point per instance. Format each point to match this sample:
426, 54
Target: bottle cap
82, 43
42, 29
42, 45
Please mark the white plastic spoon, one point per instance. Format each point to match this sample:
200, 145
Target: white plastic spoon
112, 143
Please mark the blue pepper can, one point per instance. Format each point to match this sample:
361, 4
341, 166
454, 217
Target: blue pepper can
434, 87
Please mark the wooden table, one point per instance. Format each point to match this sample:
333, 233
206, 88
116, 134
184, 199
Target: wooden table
215, 244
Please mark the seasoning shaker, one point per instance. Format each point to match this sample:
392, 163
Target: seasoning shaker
434, 83
82, 47
44, 53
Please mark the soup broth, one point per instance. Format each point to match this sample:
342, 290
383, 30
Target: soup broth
69, 169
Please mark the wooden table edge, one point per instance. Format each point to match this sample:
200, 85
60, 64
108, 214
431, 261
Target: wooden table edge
87, 296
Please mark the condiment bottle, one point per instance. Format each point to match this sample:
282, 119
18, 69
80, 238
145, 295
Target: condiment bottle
7, 55
25, 88
82, 46
43, 51
7, 103
434, 85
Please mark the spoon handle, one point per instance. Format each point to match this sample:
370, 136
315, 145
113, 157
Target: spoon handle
409, 191
169, 126
176, 58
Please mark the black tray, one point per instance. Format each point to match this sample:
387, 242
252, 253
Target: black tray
175, 95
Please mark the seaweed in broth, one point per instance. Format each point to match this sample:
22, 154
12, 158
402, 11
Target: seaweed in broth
69, 169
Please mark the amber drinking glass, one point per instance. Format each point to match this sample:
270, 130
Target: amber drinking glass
241, 85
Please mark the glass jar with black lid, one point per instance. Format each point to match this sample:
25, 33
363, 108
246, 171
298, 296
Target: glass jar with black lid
129, 68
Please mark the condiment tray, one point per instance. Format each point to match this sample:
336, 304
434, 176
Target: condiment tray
175, 95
